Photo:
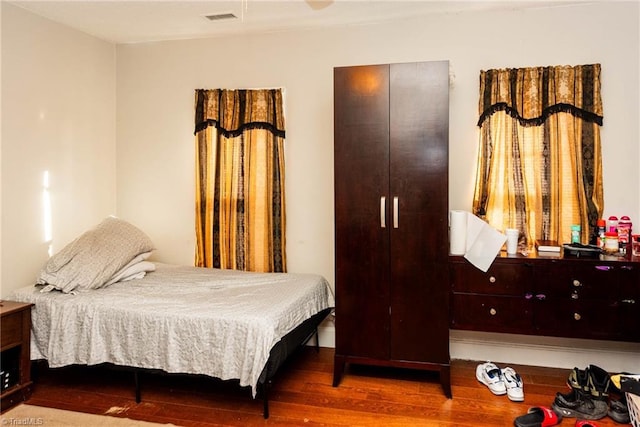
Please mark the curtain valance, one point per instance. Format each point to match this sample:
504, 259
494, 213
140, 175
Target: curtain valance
530, 95
233, 111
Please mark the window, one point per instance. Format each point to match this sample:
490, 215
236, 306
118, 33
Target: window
240, 203
539, 161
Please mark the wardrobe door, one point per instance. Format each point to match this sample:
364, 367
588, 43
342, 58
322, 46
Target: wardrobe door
362, 208
419, 106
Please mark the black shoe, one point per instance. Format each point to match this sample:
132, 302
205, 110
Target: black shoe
618, 406
579, 380
619, 411
578, 404
599, 382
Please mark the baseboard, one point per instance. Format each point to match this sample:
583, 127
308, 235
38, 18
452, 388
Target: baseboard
568, 353
551, 352
327, 336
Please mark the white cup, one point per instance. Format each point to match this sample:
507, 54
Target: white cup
512, 240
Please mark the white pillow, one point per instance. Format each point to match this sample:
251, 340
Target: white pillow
93, 258
133, 270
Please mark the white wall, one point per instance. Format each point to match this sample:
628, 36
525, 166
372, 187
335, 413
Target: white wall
58, 115
156, 82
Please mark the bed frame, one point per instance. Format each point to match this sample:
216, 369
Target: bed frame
278, 355
284, 348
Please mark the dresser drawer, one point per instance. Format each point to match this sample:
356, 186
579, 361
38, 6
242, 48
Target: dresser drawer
589, 280
629, 278
491, 313
501, 279
579, 318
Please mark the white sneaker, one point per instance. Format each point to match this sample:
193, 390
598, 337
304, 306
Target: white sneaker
491, 376
513, 383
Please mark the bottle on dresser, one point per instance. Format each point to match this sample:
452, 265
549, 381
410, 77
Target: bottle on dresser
601, 228
624, 233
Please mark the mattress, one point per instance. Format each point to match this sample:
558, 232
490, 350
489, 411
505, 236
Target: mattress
180, 319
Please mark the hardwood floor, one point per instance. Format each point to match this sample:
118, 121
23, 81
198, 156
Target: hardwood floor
302, 394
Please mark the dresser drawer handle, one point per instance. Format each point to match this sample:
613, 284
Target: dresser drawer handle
575, 295
492, 279
628, 301
576, 283
493, 312
577, 316
604, 267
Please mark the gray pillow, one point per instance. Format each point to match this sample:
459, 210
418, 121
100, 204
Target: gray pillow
93, 258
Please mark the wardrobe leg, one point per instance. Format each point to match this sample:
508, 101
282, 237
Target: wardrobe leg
445, 380
338, 369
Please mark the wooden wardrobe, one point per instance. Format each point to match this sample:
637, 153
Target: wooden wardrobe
391, 216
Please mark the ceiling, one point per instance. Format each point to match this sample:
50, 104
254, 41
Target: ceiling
125, 21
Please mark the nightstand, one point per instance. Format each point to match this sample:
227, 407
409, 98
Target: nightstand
15, 363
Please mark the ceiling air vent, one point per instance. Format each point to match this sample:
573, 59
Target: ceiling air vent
221, 16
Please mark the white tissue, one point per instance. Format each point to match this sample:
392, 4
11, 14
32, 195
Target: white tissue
482, 243
458, 233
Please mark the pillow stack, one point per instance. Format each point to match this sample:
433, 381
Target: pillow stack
113, 251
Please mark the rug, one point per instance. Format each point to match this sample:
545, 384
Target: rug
29, 415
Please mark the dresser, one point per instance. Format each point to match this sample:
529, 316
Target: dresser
552, 296
15, 363
391, 216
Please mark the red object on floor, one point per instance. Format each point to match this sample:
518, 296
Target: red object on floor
585, 423
538, 416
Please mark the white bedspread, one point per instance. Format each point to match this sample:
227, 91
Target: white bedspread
180, 319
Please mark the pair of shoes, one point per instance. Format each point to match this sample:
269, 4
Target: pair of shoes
538, 416
588, 396
501, 381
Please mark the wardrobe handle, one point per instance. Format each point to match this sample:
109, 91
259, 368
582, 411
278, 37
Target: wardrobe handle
395, 212
383, 208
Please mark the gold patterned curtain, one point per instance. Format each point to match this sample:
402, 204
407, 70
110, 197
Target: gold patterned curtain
240, 203
539, 162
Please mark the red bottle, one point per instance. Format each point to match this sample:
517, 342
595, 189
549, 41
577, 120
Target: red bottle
601, 228
624, 233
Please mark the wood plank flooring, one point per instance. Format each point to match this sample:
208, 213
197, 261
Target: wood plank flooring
301, 395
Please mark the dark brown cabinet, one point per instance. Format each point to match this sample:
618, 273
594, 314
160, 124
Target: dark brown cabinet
15, 363
391, 205
562, 297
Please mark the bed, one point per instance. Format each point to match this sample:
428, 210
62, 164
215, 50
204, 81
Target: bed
178, 319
